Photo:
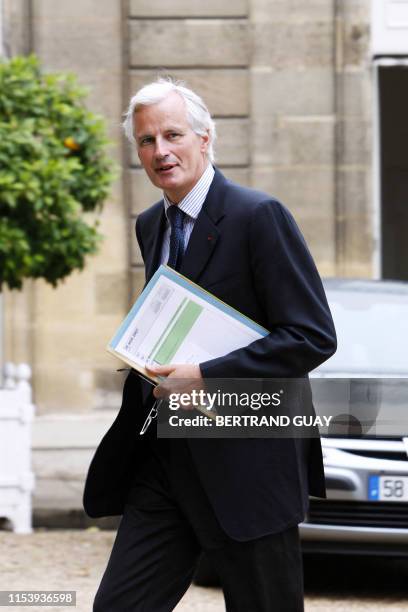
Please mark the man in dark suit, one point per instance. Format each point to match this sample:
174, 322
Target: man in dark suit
240, 500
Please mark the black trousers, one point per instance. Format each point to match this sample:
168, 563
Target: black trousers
167, 523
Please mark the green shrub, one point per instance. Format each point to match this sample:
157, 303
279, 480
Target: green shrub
53, 169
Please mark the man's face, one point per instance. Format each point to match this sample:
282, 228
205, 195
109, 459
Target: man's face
172, 154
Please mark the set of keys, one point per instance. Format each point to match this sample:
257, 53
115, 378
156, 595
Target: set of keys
155, 408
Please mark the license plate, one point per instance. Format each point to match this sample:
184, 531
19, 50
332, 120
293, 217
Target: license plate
388, 488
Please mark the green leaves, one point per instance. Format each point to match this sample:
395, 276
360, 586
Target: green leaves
53, 167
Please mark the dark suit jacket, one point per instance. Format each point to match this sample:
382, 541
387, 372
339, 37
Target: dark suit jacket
247, 250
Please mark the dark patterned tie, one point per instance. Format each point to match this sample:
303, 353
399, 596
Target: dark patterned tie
176, 252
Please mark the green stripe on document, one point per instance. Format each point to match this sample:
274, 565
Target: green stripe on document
169, 324
177, 335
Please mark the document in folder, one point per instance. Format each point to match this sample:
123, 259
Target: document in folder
176, 321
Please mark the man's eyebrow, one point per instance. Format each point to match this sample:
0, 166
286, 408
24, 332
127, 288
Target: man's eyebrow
170, 128
142, 136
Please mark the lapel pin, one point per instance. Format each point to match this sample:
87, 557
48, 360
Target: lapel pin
209, 237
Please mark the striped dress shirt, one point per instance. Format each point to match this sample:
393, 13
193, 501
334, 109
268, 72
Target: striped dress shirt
191, 205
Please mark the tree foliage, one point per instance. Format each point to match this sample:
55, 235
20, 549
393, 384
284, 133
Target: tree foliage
54, 168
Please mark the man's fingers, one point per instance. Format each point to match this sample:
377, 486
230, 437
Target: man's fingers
159, 392
176, 379
163, 370
164, 389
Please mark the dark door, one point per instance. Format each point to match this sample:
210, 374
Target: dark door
393, 86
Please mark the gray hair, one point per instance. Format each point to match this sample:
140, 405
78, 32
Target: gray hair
198, 114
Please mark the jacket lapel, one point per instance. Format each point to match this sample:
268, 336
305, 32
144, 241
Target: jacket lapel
205, 234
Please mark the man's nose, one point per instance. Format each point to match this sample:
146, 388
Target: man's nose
161, 148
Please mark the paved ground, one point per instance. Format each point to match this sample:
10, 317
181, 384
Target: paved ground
74, 560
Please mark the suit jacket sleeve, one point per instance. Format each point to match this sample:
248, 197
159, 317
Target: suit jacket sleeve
286, 282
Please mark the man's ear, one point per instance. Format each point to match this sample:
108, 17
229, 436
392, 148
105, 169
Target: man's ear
205, 141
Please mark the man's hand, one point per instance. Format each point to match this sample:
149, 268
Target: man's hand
180, 378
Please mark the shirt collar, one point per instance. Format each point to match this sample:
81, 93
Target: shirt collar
192, 203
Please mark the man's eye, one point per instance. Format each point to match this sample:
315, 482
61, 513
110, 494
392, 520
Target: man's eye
174, 135
146, 140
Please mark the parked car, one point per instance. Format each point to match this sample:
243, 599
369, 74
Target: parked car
366, 456
366, 465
